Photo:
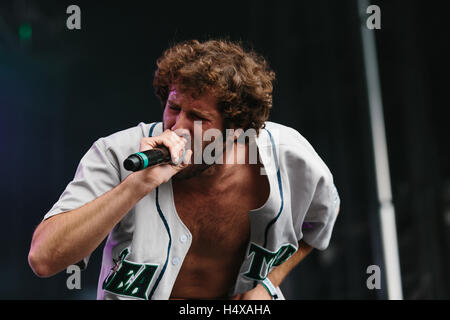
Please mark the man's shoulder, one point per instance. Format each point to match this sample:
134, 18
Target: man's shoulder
285, 136
269, 125
128, 136
294, 147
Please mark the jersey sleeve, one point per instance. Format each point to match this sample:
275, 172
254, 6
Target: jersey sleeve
96, 174
314, 199
321, 215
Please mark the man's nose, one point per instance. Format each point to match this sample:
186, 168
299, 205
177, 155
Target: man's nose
183, 126
182, 122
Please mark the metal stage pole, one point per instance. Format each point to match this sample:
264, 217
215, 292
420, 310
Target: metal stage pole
383, 184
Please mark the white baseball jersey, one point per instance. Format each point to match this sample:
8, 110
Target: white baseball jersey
145, 250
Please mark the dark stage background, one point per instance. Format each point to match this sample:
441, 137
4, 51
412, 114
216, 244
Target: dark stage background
61, 89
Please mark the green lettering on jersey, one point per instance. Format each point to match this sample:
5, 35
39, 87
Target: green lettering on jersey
130, 279
283, 254
263, 260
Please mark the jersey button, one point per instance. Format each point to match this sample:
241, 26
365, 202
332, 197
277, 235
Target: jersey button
183, 238
176, 261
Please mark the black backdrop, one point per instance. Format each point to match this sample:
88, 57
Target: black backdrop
60, 90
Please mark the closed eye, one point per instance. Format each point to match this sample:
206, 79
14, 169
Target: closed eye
192, 114
198, 117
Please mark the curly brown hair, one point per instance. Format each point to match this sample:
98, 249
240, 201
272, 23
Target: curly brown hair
241, 80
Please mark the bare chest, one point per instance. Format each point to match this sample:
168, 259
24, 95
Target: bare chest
220, 228
220, 219
216, 221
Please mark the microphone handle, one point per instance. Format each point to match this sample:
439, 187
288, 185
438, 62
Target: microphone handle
141, 160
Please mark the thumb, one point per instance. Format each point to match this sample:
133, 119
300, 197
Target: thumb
184, 161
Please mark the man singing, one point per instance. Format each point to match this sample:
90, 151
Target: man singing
192, 228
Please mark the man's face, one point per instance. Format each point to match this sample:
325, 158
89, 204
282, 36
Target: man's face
182, 111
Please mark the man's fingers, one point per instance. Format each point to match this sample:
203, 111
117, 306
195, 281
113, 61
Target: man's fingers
175, 144
187, 157
171, 141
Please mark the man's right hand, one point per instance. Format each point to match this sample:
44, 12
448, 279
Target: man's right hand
176, 143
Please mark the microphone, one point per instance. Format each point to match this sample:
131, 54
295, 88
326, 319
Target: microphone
141, 160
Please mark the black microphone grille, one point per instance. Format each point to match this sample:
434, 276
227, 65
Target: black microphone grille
132, 163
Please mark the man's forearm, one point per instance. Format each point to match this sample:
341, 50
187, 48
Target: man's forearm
69, 237
277, 275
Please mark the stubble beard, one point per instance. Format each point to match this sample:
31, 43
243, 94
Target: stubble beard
192, 170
